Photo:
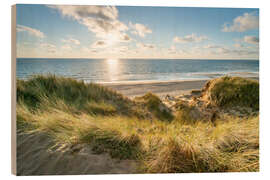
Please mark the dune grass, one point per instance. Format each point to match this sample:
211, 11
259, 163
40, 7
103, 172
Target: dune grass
233, 91
155, 106
73, 112
41, 92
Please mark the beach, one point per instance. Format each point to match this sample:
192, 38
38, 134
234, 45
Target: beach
172, 88
161, 88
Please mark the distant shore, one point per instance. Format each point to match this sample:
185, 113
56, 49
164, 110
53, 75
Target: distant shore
161, 88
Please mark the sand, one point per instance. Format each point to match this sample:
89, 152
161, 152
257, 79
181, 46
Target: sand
37, 155
160, 88
173, 88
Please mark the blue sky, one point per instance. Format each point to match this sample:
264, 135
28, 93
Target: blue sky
137, 32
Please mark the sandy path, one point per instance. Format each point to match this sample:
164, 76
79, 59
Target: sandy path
34, 157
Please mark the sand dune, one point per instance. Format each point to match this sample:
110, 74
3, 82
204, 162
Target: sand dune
37, 156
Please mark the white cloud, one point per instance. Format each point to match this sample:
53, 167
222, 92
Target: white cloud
238, 52
211, 46
238, 45
140, 29
251, 39
85, 49
120, 49
66, 47
101, 20
71, 41
143, 46
248, 21
189, 38
50, 48
223, 50
31, 31
172, 48
47, 45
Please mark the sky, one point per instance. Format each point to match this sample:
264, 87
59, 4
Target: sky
65, 31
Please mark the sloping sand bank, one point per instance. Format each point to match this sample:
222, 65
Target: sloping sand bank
37, 156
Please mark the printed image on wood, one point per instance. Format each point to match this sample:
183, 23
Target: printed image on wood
128, 90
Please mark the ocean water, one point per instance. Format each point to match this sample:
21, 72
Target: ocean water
126, 70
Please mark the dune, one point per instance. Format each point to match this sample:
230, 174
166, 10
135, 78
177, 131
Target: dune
65, 126
37, 156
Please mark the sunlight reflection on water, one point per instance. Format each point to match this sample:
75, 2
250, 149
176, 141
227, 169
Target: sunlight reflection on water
113, 69
122, 70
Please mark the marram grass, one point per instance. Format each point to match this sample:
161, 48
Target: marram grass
233, 91
73, 112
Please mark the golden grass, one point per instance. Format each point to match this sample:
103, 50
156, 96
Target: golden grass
233, 91
230, 145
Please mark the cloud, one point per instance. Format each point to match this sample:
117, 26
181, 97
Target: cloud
239, 52
31, 31
248, 21
71, 41
125, 37
66, 47
172, 50
189, 38
238, 45
48, 47
211, 46
223, 50
245, 52
99, 44
120, 49
251, 39
140, 29
143, 46
101, 20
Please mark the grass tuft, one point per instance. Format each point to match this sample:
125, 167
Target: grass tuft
187, 114
233, 91
156, 106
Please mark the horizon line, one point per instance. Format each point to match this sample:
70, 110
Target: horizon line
135, 58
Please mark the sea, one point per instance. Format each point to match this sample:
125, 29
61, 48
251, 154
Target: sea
131, 70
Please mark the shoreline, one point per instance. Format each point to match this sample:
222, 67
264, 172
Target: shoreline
160, 88
116, 83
